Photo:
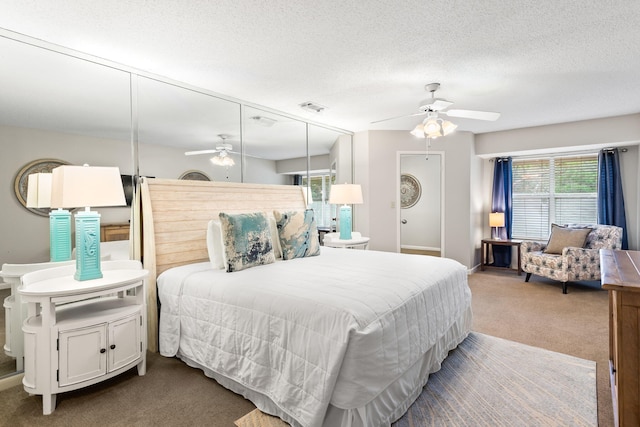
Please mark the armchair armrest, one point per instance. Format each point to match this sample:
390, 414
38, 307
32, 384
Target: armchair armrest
582, 255
531, 246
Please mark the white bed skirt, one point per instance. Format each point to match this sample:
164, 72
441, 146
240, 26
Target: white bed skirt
387, 407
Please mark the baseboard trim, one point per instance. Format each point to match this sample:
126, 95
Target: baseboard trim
11, 381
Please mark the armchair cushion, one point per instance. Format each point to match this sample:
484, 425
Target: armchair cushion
564, 237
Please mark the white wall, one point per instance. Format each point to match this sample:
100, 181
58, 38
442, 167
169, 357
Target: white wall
375, 169
598, 133
623, 132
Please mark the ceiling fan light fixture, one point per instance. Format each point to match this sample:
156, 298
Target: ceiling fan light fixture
222, 160
432, 127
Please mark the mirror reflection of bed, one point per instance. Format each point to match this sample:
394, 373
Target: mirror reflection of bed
344, 337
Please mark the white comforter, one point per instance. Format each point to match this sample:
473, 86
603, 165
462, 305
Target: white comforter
336, 328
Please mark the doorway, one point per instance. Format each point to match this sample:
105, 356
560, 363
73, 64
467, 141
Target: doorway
420, 203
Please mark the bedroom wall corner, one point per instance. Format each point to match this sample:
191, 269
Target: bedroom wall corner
375, 154
477, 198
362, 213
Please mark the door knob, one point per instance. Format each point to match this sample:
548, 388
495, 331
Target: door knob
404, 221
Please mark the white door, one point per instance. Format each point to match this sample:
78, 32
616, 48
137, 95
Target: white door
420, 203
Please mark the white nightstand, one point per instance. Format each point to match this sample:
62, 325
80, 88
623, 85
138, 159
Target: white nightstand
79, 333
333, 240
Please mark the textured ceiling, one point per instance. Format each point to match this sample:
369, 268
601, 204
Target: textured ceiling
536, 62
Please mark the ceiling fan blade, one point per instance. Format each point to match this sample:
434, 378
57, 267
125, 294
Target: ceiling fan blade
434, 104
399, 117
193, 153
471, 114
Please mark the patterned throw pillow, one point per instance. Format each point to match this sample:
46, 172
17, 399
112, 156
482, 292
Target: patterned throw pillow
298, 234
563, 237
247, 240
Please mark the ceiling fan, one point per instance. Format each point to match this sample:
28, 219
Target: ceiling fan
222, 149
433, 107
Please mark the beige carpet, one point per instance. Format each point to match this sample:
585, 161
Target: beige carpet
490, 381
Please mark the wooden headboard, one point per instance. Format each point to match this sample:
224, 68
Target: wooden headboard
175, 214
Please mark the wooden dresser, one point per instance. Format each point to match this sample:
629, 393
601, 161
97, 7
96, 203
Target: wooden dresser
621, 277
113, 232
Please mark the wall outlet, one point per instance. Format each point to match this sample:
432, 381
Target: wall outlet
393, 205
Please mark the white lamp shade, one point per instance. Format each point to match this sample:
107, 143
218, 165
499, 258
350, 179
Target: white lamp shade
39, 190
418, 131
345, 194
432, 128
85, 186
222, 160
448, 127
496, 219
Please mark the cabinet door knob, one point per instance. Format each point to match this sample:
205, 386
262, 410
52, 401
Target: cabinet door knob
112, 346
103, 350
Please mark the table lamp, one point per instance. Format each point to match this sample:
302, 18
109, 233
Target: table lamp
496, 219
39, 196
85, 186
345, 194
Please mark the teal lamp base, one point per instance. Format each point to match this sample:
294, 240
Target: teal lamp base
345, 222
60, 235
87, 246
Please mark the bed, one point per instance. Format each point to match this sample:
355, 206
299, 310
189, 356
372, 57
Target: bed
345, 338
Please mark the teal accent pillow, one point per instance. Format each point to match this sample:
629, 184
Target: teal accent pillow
298, 234
247, 240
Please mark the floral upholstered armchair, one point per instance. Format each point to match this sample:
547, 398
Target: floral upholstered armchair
562, 259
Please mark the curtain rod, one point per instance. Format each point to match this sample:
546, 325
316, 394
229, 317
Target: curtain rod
610, 149
560, 154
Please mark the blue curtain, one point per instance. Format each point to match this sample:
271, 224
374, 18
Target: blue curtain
501, 202
610, 198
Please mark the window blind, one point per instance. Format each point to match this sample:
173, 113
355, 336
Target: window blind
553, 190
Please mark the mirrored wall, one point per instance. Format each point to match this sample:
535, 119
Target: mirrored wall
59, 106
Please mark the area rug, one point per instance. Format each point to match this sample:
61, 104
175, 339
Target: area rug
489, 381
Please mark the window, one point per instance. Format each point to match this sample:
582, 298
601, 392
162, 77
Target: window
323, 212
550, 190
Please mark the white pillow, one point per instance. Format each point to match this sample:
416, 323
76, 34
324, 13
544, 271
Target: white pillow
215, 245
275, 239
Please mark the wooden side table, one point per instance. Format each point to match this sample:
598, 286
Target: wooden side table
486, 243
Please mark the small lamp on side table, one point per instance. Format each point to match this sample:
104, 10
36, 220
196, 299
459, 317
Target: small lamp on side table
345, 195
496, 220
78, 186
39, 196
